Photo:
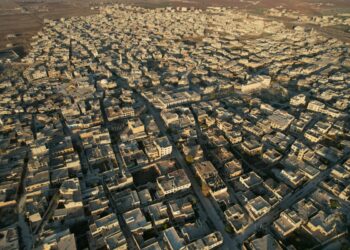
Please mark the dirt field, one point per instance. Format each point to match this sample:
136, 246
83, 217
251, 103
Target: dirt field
24, 18
19, 21
304, 6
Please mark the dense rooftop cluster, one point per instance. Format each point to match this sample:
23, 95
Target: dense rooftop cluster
175, 129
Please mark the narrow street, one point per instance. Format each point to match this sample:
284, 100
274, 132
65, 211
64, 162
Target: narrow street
206, 203
25, 232
287, 202
284, 204
201, 142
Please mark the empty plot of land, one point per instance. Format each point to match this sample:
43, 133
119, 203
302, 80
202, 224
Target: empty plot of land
304, 6
21, 25
18, 23
25, 19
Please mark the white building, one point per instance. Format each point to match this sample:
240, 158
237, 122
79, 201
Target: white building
256, 83
298, 100
163, 146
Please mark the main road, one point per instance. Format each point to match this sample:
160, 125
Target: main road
231, 242
212, 214
236, 241
287, 202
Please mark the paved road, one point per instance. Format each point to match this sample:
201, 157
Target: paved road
287, 202
203, 146
206, 203
234, 243
48, 213
25, 232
